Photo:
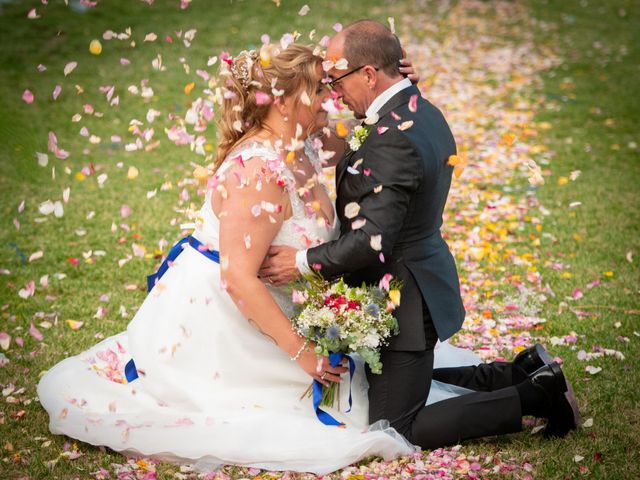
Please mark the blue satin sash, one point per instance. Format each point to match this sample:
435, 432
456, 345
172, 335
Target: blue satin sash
176, 250
324, 417
130, 371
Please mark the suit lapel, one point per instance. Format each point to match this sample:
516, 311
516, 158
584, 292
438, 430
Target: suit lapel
341, 168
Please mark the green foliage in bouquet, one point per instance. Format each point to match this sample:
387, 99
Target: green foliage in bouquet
346, 319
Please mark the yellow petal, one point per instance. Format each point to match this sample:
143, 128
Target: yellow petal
132, 173
201, 173
341, 130
394, 295
508, 138
95, 47
74, 324
454, 160
188, 87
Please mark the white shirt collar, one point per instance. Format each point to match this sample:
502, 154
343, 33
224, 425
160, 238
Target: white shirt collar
385, 96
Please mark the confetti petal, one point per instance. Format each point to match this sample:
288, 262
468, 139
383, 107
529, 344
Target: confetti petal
405, 125
413, 103
35, 333
376, 242
95, 47
27, 97
304, 10
351, 210
70, 67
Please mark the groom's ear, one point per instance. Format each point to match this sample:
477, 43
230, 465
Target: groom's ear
372, 75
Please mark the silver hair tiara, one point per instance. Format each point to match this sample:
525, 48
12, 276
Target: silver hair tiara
240, 70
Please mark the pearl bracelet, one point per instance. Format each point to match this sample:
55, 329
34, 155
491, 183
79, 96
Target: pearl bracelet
302, 348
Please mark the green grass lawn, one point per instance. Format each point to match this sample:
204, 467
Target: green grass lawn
594, 117
586, 116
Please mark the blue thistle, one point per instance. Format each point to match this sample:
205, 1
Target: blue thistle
372, 310
333, 332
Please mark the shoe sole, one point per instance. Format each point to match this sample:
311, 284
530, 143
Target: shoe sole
567, 406
543, 355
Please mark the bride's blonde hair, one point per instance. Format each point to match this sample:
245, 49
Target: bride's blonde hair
250, 78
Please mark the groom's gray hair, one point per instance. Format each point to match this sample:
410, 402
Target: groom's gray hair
368, 42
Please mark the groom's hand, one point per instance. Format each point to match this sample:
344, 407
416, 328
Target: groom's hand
279, 267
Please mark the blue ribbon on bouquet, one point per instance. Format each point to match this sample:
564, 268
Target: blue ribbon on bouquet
335, 359
130, 371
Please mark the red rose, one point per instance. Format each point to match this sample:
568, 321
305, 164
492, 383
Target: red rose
353, 305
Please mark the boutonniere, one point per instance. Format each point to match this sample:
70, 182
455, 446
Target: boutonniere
358, 136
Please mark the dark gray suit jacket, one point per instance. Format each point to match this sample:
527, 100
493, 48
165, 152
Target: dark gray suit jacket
411, 166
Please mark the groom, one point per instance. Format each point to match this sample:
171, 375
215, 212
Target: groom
391, 192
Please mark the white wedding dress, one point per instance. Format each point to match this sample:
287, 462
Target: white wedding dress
212, 390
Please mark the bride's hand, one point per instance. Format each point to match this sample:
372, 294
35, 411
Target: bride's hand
406, 68
319, 367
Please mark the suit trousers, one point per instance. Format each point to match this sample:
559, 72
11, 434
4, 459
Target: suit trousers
400, 392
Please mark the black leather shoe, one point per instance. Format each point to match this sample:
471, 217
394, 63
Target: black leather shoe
562, 408
565, 415
532, 358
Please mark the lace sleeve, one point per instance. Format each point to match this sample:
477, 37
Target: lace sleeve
311, 151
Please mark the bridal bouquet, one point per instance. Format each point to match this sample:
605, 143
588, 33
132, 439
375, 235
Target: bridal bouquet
341, 319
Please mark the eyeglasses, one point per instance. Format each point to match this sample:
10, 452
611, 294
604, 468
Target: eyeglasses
332, 83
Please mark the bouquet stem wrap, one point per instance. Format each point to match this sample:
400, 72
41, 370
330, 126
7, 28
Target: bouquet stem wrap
324, 417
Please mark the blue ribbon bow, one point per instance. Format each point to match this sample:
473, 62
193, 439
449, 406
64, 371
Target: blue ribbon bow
130, 371
335, 359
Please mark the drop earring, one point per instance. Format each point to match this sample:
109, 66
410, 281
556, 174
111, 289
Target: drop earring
286, 119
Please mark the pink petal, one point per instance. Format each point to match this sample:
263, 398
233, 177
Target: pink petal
413, 103
53, 142
61, 154
125, 211
28, 97
56, 92
262, 98
5, 340
35, 333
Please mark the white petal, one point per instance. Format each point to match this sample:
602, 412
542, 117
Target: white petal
376, 242
351, 210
